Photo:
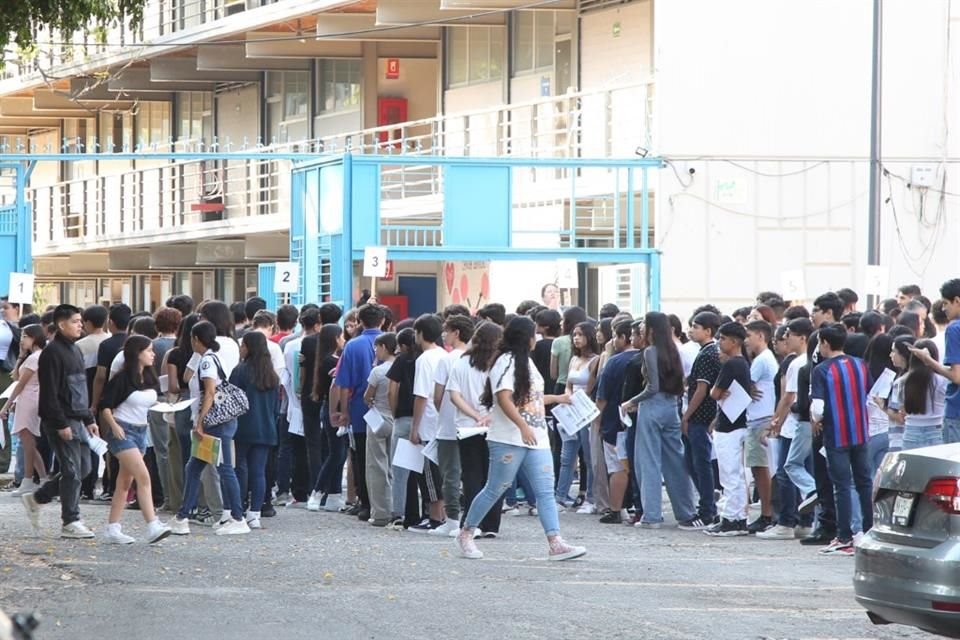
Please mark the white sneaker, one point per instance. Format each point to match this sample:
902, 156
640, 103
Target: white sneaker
114, 535
468, 548
313, 502
334, 503
233, 528
587, 508
802, 532
282, 499
448, 527
476, 533
253, 520
76, 531
857, 538
180, 527
27, 486
560, 550
779, 532
33, 509
157, 531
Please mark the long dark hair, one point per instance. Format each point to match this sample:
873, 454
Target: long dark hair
483, 345
571, 318
206, 334
134, 345
258, 360
186, 331
219, 314
877, 355
660, 336
589, 331
36, 333
326, 347
516, 343
918, 383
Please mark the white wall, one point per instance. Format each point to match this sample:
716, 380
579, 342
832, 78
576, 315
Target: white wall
783, 87
604, 54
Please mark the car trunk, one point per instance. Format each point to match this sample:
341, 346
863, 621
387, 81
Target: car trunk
903, 512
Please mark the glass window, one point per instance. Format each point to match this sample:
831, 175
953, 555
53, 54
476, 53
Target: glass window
339, 85
295, 93
523, 27
152, 123
474, 55
533, 37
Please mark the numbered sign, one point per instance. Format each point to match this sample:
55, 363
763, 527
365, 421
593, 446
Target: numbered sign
567, 277
21, 288
793, 286
876, 280
286, 278
374, 262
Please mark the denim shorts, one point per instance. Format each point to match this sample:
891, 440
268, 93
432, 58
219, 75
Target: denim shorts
134, 437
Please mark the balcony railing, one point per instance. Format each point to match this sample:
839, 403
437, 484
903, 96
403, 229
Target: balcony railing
151, 202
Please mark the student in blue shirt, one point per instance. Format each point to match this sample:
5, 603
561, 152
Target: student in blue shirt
950, 369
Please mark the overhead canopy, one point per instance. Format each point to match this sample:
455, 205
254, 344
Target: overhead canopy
556, 5
263, 45
185, 70
400, 12
23, 108
352, 26
89, 89
233, 57
139, 80
44, 99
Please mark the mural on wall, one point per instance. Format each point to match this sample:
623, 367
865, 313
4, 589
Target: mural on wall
466, 283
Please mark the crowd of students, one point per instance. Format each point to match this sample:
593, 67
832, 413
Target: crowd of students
807, 402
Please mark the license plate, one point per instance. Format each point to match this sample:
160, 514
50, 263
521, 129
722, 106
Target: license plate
902, 506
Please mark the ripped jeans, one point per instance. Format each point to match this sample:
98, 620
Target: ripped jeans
506, 460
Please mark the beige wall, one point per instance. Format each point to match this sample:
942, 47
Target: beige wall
238, 116
609, 60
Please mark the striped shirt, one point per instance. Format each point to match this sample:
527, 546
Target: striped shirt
842, 383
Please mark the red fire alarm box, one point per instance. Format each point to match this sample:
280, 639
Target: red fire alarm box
390, 111
393, 68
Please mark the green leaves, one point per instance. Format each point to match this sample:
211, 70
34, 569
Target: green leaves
22, 20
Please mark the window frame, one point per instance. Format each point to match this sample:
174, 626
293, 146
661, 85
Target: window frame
536, 65
346, 72
494, 60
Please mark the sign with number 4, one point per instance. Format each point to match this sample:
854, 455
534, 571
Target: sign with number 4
21, 288
286, 278
374, 262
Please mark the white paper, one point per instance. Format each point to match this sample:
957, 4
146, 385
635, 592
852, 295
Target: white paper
374, 420
876, 280
567, 276
470, 432
573, 417
342, 431
408, 456
295, 427
8, 391
374, 262
431, 451
625, 418
286, 277
881, 388
21, 288
735, 403
97, 444
164, 384
792, 285
166, 407
3, 440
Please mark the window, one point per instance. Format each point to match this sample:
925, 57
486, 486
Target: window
296, 94
288, 105
474, 55
194, 115
339, 85
534, 33
152, 123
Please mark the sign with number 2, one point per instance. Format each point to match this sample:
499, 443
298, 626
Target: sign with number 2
286, 278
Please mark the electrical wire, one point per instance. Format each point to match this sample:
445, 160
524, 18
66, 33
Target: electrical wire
747, 214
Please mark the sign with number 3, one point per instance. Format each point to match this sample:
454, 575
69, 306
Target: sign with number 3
374, 262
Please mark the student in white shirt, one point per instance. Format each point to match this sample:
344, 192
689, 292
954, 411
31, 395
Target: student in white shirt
923, 401
763, 371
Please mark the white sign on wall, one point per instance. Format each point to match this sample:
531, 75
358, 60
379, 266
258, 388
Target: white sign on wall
374, 262
876, 280
286, 277
792, 285
21, 288
567, 277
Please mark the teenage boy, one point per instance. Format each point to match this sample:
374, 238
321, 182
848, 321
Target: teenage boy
95, 327
839, 387
763, 371
353, 371
827, 308
457, 332
66, 420
424, 429
702, 411
850, 300
906, 293
612, 433
731, 432
950, 369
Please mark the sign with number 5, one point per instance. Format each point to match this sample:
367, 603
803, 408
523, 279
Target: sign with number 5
21, 288
286, 277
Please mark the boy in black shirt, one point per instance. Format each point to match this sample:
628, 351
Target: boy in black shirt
729, 433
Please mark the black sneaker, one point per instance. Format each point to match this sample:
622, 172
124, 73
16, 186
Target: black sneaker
267, 511
819, 538
728, 529
693, 524
363, 515
354, 510
611, 517
760, 524
425, 526
809, 503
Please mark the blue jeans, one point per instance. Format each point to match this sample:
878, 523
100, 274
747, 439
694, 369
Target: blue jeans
789, 497
915, 437
183, 425
659, 453
229, 485
568, 463
878, 446
631, 445
398, 486
798, 460
330, 480
951, 430
252, 473
697, 449
849, 467
506, 460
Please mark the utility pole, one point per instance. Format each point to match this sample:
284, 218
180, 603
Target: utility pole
873, 215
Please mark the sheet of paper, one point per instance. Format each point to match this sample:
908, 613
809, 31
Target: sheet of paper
881, 388
469, 432
735, 403
408, 456
374, 420
567, 420
97, 444
625, 418
296, 427
166, 407
575, 416
164, 384
584, 406
8, 391
431, 451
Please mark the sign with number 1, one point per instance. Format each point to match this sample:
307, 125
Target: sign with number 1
286, 277
21, 288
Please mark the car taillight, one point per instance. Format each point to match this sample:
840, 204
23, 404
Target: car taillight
945, 493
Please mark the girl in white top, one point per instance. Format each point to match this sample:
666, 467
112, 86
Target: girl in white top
518, 439
26, 396
923, 399
126, 399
